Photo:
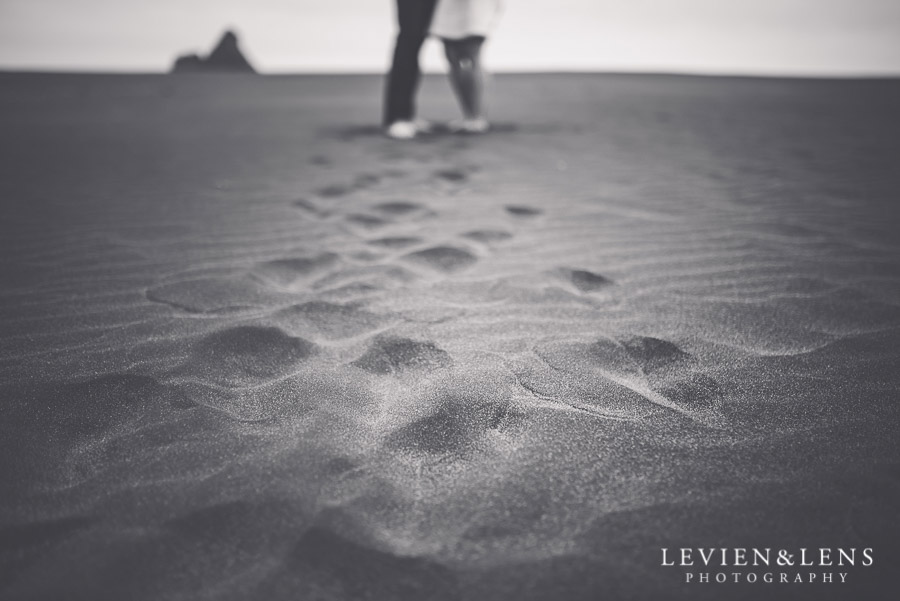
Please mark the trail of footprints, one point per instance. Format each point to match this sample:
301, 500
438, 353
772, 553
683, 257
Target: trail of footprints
375, 221
611, 379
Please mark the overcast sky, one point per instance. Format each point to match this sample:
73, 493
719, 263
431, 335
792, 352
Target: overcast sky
809, 37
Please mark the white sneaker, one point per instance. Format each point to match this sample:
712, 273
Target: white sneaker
401, 130
469, 126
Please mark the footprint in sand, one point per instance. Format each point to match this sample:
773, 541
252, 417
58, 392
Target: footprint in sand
387, 212
362, 181
73, 424
366, 221
652, 353
376, 275
107, 404
458, 421
487, 236
330, 320
584, 280
393, 354
396, 242
627, 379
398, 208
365, 180
210, 295
452, 175
246, 356
446, 259
311, 208
335, 190
288, 273
522, 211
586, 391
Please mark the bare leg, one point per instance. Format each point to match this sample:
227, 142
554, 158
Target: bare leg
466, 75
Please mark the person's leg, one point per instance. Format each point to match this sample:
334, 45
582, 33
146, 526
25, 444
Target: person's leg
414, 18
466, 75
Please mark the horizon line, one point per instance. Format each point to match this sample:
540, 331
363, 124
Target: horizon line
839, 75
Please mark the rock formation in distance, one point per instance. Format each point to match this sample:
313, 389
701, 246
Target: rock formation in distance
226, 57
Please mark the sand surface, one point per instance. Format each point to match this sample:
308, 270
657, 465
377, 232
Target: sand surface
253, 350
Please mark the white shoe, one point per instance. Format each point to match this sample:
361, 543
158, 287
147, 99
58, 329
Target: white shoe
401, 130
469, 126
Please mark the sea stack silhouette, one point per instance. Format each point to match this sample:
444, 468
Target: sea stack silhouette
226, 57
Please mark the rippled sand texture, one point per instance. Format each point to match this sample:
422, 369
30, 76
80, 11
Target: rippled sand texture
253, 350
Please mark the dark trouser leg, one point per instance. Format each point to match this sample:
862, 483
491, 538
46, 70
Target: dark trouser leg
414, 17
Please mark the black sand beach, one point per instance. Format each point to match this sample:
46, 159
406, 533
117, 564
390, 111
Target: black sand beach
251, 349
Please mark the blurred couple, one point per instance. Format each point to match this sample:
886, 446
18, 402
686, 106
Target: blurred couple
462, 26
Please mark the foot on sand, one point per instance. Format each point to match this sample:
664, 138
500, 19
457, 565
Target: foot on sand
401, 130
